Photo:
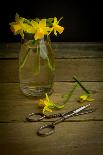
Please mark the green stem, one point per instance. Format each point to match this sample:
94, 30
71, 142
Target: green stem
50, 45
49, 65
68, 95
38, 62
80, 84
24, 60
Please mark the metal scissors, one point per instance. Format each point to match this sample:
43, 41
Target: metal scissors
49, 129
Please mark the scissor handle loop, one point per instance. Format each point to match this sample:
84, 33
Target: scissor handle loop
41, 116
50, 127
31, 119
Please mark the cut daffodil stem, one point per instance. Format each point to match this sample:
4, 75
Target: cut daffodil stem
80, 84
69, 94
49, 65
24, 60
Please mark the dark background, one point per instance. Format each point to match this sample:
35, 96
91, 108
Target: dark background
82, 20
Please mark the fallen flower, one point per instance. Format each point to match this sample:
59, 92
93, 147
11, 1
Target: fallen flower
48, 105
84, 98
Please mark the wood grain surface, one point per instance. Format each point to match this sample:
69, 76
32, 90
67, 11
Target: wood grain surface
77, 135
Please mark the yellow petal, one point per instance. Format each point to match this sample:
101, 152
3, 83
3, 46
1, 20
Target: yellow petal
83, 97
27, 28
34, 24
90, 99
55, 21
42, 102
46, 109
55, 32
42, 23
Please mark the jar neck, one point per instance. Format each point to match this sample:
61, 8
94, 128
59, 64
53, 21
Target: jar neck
28, 37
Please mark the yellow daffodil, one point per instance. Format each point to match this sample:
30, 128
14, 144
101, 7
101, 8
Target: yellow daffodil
84, 98
48, 105
41, 29
16, 27
38, 27
57, 27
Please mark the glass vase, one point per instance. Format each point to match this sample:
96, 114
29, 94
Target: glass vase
36, 66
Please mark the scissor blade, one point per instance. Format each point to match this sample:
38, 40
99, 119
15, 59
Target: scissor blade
80, 109
74, 112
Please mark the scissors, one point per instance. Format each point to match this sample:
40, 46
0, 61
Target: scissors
48, 129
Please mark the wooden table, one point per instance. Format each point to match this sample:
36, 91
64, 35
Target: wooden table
79, 135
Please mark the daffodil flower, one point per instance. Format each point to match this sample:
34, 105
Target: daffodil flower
85, 97
37, 27
57, 27
41, 29
48, 105
16, 27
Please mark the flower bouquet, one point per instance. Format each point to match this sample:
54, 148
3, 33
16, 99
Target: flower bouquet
36, 58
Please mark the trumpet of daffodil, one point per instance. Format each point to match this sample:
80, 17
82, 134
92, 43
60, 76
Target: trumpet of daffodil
56, 27
85, 97
15, 27
48, 105
40, 29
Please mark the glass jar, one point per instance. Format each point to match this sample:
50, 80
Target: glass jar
36, 66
